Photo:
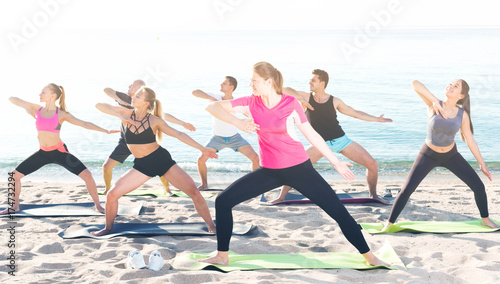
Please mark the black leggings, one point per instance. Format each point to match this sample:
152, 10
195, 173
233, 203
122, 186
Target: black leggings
427, 160
302, 177
42, 158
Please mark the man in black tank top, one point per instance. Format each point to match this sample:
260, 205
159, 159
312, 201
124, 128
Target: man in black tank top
321, 111
121, 151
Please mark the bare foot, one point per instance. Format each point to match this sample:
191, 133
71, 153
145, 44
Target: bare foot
203, 187
371, 259
101, 232
386, 227
221, 258
376, 197
100, 209
487, 222
9, 211
279, 199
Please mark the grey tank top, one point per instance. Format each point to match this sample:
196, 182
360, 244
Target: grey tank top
440, 131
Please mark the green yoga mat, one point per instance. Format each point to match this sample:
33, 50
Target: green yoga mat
311, 260
160, 192
438, 227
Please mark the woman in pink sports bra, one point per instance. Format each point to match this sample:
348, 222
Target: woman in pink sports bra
52, 150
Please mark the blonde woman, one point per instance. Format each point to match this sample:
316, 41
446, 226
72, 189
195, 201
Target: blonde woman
283, 159
143, 127
49, 119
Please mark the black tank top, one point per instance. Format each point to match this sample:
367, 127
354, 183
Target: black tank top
324, 119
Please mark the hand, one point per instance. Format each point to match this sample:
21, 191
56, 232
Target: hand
439, 109
112, 131
248, 126
343, 168
383, 119
209, 152
189, 126
305, 104
485, 171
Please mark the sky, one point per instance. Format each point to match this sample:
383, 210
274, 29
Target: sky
35, 32
245, 14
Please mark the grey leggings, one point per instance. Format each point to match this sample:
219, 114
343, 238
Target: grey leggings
427, 160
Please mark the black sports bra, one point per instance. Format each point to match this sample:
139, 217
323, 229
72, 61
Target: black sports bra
135, 137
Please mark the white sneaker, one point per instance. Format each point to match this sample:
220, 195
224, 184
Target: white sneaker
155, 261
135, 260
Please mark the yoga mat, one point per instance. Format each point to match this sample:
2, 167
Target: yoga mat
332, 260
353, 197
149, 229
437, 227
156, 192
160, 192
205, 195
71, 209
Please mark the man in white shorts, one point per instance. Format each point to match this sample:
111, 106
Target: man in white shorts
225, 135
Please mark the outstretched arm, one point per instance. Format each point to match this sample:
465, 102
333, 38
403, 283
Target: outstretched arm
429, 99
347, 110
30, 108
471, 143
120, 112
303, 97
160, 124
223, 109
112, 94
173, 119
317, 141
66, 116
203, 95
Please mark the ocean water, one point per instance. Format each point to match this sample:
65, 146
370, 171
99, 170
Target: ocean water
374, 78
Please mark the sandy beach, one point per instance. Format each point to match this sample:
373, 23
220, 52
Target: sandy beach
42, 256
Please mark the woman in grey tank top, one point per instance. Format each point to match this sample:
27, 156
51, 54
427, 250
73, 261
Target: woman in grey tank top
439, 150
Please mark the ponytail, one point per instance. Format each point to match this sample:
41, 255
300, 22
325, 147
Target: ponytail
158, 111
61, 96
465, 103
154, 107
62, 99
266, 71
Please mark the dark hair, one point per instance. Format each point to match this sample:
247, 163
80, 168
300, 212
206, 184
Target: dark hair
61, 96
232, 82
465, 103
266, 71
322, 76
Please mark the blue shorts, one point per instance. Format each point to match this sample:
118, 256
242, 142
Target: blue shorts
234, 142
338, 144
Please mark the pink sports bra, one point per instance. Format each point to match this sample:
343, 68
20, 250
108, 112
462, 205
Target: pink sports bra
48, 124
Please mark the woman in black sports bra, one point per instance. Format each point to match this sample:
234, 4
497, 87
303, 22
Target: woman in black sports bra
143, 133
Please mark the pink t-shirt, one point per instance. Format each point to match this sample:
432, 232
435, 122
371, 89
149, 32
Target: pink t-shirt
279, 146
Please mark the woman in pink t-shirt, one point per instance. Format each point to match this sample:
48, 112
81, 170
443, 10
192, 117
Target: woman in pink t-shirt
283, 159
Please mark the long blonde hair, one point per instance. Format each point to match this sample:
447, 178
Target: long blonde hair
154, 107
61, 96
266, 71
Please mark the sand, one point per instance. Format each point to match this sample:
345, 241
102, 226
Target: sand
44, 257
